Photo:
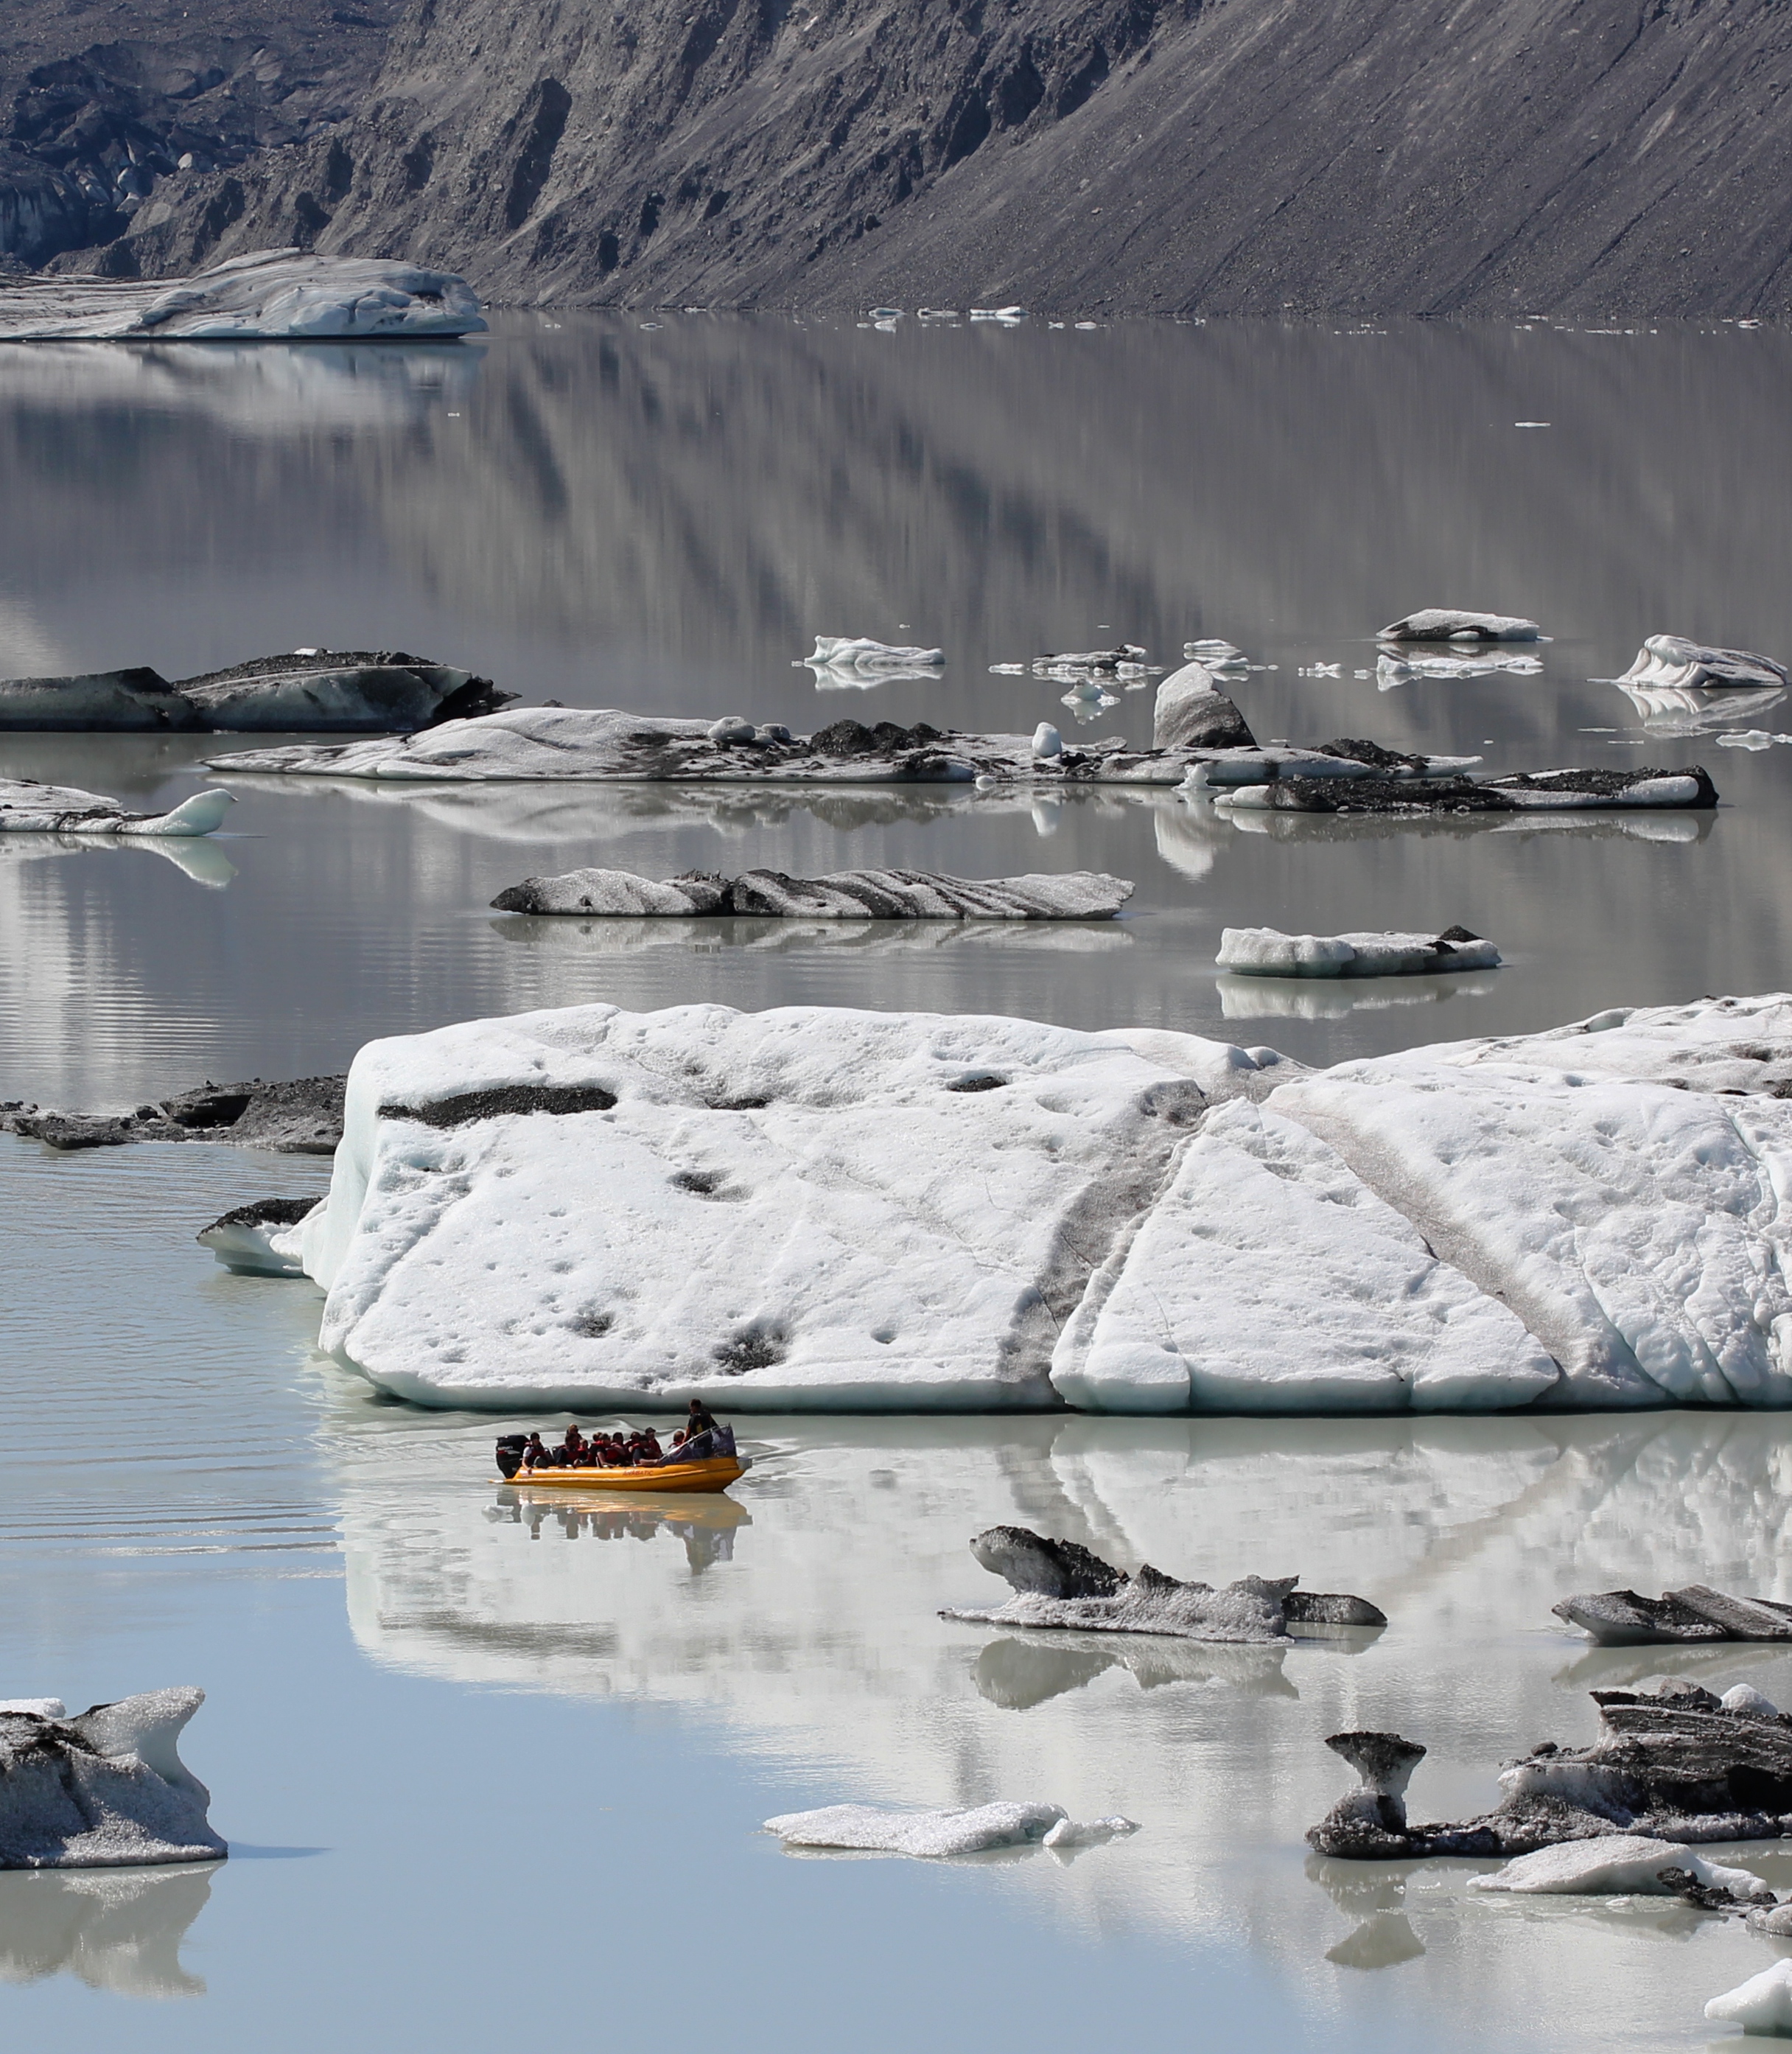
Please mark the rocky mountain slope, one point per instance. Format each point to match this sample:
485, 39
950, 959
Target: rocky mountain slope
101, 103
1583, 156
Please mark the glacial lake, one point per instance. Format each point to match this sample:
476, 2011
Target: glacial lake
491, 1768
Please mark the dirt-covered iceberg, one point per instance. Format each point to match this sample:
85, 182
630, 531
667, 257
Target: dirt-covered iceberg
832, 1210
844, 894
309, 691
274, 295
107, 1789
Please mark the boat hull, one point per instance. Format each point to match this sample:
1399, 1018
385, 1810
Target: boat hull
715, 1475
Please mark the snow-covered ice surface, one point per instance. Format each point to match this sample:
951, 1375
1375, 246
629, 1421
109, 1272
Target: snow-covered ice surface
817, 1208
1763, 2004
27, 807
973, 1830
1264, 952
1623, 1865
275, 295
107, 1789
849, 894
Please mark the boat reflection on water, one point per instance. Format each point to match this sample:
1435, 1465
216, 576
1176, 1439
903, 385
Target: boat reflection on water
706, 1524
116, 1929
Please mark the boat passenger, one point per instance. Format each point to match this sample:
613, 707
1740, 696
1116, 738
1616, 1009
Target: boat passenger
536, 1456
572, 1448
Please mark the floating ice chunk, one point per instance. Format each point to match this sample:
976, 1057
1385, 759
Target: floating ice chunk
1752, 1703
1264, 1231
1214, 654
857, 660
1753, 737
271, 294
1620, 1865
929, 1834
105, 1790
1763, 2004
1264, 952
1448, 624
1008, 316
1668, 662
27, 807
1048, 742
847, 895
264, 1239
1008, 669
1069, 1833
730, 730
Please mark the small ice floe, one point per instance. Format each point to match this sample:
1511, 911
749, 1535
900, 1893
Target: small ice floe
1621, 1865
1756, 739
27, 807
1668, 661
1214, 654
1763, 2004
847, 895
1449, 623
262, 1238
1622, 1619
1354, 760
1128, 660
857, 660
271, 295
105, 1790
1321, 670
930, 1836
1264, 952
1047, 742
1060, 1584
886, 313
1006, 316
1008, 669
1393, 672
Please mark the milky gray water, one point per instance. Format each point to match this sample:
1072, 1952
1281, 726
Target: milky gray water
492, 1767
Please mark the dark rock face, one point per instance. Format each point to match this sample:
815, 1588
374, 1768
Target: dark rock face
1672, 1764
93, 129
1085, 155
301, 1117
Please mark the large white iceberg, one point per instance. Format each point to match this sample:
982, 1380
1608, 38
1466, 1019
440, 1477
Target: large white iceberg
828, 1210
277, 295
858, 662
1452, 623
107, 1789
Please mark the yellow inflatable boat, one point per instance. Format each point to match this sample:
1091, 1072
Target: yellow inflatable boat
715, 1473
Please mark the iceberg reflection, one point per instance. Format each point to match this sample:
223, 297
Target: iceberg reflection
116, 1929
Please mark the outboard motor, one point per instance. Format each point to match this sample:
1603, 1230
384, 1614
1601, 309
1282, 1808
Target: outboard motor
510, 1448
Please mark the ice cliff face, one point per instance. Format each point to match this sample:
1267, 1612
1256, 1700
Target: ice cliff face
1112, 156
828, 1209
